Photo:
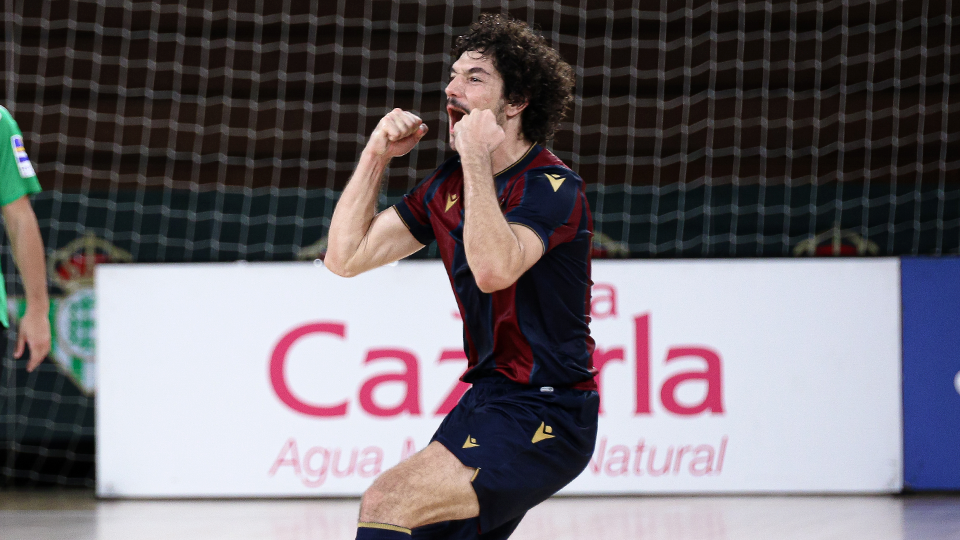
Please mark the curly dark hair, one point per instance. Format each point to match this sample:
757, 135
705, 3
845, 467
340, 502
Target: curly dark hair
531, 70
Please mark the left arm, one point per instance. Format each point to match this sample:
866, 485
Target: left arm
498, 253
24, 232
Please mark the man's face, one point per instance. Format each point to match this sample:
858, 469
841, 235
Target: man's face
474, 83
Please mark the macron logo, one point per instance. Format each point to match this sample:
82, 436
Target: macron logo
555, 180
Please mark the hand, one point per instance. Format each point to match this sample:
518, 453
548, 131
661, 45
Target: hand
34, 330
478, 133
396, 134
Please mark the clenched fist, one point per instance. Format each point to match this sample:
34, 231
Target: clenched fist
478, 132
396, 134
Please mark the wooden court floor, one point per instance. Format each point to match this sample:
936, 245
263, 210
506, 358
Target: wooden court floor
79, 516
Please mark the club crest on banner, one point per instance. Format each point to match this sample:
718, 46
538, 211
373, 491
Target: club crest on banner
836, 241
73, 313
314, 252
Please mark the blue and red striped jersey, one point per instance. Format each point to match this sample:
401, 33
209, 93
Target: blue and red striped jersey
536, 331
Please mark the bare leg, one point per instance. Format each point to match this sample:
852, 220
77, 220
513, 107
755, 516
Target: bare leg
429, 487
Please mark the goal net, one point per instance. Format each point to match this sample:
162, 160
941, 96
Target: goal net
224, 130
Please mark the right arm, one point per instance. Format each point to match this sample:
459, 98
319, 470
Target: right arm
28, 253
360, 239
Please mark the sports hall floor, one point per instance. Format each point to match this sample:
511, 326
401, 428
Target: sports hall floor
78, 516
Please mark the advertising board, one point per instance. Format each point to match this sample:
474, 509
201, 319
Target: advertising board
270, 379
931, 373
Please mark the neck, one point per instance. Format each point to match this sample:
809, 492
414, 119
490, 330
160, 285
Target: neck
510, 151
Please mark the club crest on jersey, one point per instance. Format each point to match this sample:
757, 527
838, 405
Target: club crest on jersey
23, 162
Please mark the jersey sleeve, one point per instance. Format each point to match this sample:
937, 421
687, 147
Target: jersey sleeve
17, 177
414, 213
549, 202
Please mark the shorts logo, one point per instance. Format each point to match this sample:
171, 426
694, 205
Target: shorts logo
23, 162
543, 432
471, 442
451, 200
555, 180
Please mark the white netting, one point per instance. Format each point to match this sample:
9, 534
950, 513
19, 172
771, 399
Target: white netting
224, 129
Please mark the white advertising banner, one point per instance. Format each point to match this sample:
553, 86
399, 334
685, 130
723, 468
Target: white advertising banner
282, 379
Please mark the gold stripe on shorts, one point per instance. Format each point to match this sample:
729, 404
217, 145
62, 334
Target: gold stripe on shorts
387, 526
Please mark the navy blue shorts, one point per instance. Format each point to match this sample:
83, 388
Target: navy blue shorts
526, 442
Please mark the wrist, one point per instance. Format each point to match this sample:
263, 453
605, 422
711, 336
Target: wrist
36, 311
372, 166
375, 154
476, 160
38, 304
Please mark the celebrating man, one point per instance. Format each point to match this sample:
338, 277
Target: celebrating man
514, 230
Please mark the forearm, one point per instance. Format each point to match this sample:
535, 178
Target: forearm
28, 253
494, 253
354, 213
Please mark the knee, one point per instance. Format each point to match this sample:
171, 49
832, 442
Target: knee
377, 503
371, 501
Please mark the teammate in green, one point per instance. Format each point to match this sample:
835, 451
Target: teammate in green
17, 181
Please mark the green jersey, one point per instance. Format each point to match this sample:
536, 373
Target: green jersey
17, 178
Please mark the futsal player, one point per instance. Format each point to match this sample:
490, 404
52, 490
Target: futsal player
514, 230
17, 181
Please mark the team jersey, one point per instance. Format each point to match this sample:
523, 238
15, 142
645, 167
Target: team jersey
536, 331
17, 177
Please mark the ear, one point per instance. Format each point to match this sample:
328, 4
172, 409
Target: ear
513, 109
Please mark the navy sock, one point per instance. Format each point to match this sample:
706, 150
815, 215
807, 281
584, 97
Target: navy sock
381, 531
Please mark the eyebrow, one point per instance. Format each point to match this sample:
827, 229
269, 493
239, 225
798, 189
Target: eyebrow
476, 69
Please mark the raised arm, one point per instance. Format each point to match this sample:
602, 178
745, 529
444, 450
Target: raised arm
359, 238
498, 252
34, 327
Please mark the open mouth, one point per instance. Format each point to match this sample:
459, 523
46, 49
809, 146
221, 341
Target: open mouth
456, 113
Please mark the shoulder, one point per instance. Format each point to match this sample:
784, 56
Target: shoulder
546, 181
546, 158
8, 125
553, 192
549, 170
558, 181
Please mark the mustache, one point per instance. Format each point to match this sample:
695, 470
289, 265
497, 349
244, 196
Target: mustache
453, 102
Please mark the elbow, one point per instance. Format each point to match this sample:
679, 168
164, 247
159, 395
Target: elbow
335, 260
337, 266
491, 281
494, 275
